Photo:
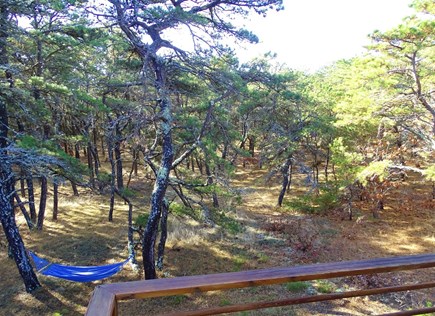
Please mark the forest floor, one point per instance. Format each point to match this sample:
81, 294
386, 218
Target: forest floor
258, 235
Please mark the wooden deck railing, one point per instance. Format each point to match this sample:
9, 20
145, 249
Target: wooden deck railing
105, 297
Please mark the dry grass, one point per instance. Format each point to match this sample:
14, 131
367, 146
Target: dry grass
83, 236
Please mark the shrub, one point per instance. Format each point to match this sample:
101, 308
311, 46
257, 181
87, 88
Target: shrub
228, 223
141, 220
324, 286
326, 199
297, 286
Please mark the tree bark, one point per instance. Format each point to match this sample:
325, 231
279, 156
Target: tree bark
55, 200
22, 183
290, 177
251, 139
77, 151
161, 182
328, 157
91, 166
210, 180
24, 211
95, 151
16, 244
112, 180
163, 234
135, 155
199, 165
31, 193
42, 203
74, 188
130, 246
285, 180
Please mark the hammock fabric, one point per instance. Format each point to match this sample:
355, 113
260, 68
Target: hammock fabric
76, 273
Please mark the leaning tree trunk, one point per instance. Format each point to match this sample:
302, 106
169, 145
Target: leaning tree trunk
26, 215
161, 182
7, 216
285, 180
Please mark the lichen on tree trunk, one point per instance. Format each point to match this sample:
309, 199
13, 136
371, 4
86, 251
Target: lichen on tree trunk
161, 182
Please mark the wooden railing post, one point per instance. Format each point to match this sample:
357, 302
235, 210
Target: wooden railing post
103, 302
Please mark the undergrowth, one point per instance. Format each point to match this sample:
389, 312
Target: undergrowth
319, 201
298, 286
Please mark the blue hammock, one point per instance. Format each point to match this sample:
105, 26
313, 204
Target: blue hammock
76, 273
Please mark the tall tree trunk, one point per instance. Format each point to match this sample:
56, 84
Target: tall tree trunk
328, 158
77, 151
135, 161
7, 216
42, 203
112, 180
316, 164
118, 161
55, 200
65, 147
74, 188
95, 150
90, 165
130, 246
192, 163
251, 145
199, 165
135, 155
225, 151
285, 179
23, 183
245, 130
161, 182
290, 177
31, 193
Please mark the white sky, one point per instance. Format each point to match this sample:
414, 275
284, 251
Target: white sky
310, 34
